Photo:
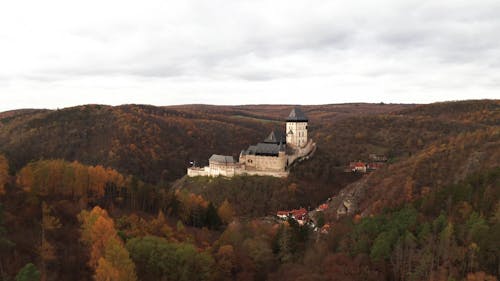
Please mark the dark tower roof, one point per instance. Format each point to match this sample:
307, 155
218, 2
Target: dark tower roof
264, 149
276, 138
296, 115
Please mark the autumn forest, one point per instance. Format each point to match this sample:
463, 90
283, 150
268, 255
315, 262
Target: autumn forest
97, 192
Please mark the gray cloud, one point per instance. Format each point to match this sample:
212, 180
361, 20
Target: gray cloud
390, 47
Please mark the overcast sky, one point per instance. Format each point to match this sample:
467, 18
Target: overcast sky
63, 53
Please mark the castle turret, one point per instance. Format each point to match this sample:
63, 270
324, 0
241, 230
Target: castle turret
296, 128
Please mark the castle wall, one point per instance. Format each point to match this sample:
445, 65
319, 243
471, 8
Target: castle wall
259, 162
278, 174
198, 172
221, 169
301, 152
214, 170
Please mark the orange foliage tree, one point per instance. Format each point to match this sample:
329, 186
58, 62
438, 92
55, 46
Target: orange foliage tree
108, 256
67, 178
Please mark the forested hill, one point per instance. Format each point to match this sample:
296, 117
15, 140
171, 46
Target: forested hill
154, 143
431, 212
428, 147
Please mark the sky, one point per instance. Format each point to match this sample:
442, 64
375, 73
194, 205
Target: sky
56, 54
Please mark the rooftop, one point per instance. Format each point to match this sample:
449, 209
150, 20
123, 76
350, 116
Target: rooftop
296, 115
267, 149
221, 159
276, 138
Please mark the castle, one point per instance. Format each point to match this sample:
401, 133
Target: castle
272, 157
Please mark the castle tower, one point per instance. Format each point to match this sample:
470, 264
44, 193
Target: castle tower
296, 128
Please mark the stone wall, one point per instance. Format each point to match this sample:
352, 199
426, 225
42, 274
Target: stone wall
219, 169
269, 163
301, 152
198, 172
282, 174
231, 172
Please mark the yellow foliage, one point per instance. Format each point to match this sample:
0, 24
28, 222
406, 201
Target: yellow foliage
107, 254
106, 272
480, 276
226, 212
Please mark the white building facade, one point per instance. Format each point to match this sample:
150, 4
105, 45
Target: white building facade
296, 129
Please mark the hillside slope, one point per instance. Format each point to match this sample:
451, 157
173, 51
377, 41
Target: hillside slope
440, 164
153, 143
431, 146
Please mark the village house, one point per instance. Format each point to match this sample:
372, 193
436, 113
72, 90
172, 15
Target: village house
322, 207
377, 158
357, 166
300, 215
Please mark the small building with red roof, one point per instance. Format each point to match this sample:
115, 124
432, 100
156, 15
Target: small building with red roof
358, 166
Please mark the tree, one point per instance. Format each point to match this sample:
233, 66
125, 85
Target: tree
106, 272
159, 226
286, 244
46, 250
382, 246
480, 276
118, 257
226, 212
28, 273
213, 220
4, 173
158, 259
320, 219
225, 262
5, 244
101, 232
108, 256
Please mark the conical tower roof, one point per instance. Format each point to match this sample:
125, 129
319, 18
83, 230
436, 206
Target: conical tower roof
296, 115
271, 138
275, 138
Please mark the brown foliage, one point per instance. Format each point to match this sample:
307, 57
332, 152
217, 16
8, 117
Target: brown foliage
4, 173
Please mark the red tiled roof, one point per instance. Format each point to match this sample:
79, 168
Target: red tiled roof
297, 214
357, 164
323, 207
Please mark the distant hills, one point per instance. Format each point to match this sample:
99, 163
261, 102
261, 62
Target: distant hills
428, 145
153, 143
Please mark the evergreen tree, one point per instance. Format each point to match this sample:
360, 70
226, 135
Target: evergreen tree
5, 244
28, 273
213, 220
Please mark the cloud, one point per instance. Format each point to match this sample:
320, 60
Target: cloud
267, 50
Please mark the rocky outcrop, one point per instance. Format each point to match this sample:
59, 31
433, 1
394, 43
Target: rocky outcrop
347, 202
